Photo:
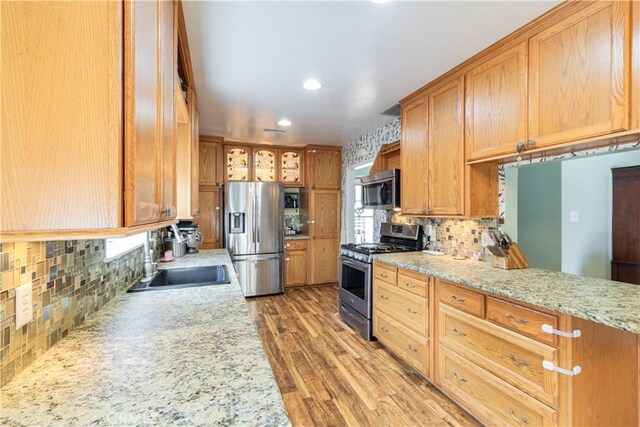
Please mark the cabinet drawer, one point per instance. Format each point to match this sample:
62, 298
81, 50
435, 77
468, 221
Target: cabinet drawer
521, 319
295, 245
384, 272
490, 399
516, 359
411, 310
411, 347
460, 298
413, 282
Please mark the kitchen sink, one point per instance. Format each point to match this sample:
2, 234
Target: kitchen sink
177, 278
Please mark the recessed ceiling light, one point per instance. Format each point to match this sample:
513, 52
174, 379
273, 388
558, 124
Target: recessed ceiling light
312, 84
284, 122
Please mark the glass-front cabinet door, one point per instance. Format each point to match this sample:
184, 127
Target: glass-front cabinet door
237, 164
291, 167
265, 165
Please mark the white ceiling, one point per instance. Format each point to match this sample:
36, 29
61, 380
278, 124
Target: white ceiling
250, 59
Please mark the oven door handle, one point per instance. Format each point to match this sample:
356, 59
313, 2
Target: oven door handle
355, 264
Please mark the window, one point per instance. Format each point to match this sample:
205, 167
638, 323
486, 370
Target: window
122, 245
363, 222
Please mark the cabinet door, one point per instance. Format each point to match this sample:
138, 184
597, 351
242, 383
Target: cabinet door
579, 76
295, 268
61, 132
323, 262
143, 107
325, 167
210, 163
169, 59
413, 161
324, 214
195, 153
496, 104
291, 167
446, 150
265, 164
210, 217
237, 161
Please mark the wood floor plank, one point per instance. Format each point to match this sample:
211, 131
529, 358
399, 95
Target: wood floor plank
330, 376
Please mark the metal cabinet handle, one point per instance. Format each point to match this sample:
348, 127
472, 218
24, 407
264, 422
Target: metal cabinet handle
412, 311
286, 259
384, 297
409, 285
517, 362
510, 317
455, 298
384, 276
287, 245
531, 143
522, 420
460, 334
311, 222
459, 378
384, 329
519, 146
412, 348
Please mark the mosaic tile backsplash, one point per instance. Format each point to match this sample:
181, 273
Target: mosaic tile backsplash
71, 281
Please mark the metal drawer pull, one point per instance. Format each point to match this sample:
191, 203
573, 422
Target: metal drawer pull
550, 330
461, 334
384, 329
522, 420
412, 311
455, 298
409, 285
518, 362
459, 378
412, 348
383, 297
510, 317
384, 276
549, 366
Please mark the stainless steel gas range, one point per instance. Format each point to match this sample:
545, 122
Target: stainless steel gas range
356, 272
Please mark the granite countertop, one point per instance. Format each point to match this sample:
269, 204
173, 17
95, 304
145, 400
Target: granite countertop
607, 302
296, 237
175, 357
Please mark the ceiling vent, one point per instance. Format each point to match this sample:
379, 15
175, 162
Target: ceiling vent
274, 130
393, 111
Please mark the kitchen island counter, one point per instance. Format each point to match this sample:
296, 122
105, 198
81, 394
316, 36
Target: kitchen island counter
187, 356
602, 301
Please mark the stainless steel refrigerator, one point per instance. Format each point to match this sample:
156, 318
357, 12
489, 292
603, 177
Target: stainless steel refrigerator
254, 228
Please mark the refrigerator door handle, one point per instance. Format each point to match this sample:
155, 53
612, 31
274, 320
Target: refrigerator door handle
257, 205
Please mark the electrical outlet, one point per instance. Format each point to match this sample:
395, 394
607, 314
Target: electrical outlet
573, 216
486, 239
24, 304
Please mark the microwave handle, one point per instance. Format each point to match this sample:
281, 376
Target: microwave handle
383, 193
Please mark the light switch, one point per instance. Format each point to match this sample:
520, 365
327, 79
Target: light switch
24, 304
573, 216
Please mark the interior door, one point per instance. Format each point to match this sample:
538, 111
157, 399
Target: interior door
268, 217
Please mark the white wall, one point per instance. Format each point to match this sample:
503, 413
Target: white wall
586, 189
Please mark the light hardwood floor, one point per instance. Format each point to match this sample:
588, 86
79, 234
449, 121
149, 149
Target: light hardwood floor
330, 376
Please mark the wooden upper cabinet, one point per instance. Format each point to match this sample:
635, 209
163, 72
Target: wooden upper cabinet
579, 75
635, 65
265, 164
210, 217
62, 145
237, 163
169, 108
291, 164
413, 158
496, 104
325, 168
143, 109
210, 161
446, 149
195, 153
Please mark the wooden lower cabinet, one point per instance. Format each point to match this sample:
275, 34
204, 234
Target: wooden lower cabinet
323, 260
487, 352
295, 263
210, 217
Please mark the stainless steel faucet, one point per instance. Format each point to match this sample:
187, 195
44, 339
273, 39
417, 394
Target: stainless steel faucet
150, 267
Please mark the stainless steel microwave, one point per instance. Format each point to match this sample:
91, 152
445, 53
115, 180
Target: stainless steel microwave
381, 190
